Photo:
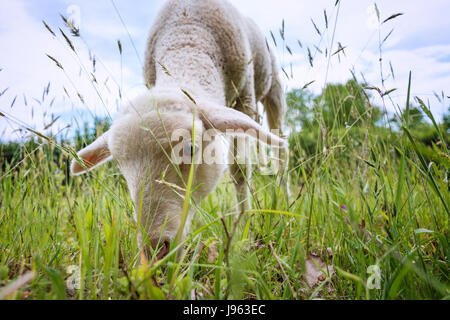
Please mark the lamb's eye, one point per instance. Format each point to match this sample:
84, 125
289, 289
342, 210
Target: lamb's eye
190, 149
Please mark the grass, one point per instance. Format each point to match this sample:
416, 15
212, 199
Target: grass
380, 210
356, 203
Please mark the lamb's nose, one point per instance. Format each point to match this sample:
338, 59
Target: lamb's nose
164, 249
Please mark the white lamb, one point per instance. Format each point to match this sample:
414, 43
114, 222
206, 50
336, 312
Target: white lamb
203, 59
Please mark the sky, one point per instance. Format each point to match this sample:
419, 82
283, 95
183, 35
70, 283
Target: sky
36, 93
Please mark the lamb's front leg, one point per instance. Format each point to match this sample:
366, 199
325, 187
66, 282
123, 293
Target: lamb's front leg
284, 172
240, 171
241, 168
241, 185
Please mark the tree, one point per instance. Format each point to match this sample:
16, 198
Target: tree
339, 105
299, 113
346, 105
415, 118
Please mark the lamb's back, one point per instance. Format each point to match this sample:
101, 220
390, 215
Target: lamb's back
220, 20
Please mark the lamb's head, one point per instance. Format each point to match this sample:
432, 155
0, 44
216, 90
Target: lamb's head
155, 142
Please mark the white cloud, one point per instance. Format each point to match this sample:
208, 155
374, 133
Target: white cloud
407, 49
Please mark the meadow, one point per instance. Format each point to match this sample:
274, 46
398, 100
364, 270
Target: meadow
368, 215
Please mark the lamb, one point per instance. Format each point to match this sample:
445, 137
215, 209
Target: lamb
206, 67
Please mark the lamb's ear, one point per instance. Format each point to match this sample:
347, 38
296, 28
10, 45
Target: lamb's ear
228, 120
92, 156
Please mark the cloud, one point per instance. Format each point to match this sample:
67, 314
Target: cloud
27, 71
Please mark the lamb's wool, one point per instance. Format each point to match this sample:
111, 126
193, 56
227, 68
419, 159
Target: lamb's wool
208, 48
202, 58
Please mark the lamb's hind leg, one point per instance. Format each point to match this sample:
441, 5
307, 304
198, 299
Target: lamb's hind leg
275, 106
